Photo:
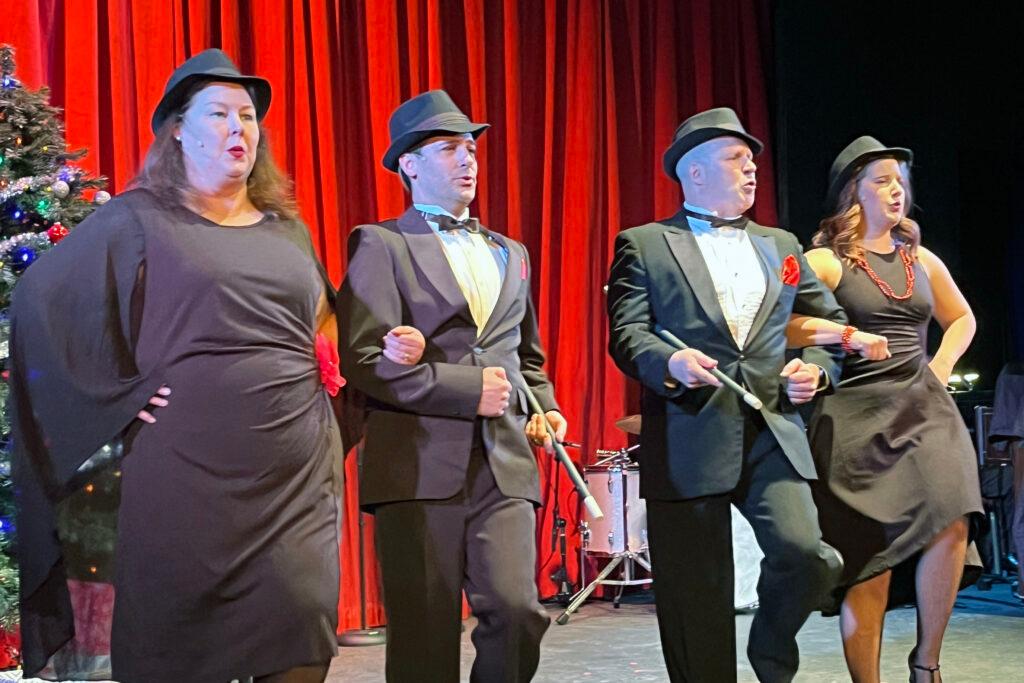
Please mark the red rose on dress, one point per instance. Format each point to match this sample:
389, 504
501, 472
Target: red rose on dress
327, 355
790, 271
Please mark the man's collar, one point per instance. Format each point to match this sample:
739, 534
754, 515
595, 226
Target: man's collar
699, 209
439, 211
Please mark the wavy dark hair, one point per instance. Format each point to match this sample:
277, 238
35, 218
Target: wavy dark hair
163, 171
841, 229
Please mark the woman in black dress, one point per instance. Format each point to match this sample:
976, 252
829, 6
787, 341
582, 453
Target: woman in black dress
898, 492
203, 281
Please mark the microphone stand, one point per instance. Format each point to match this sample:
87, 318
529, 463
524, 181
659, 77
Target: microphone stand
561, 575
362, 636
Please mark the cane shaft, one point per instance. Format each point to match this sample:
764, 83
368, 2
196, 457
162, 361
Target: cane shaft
563, 457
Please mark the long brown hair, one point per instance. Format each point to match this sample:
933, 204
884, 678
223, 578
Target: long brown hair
163, 172
841, 230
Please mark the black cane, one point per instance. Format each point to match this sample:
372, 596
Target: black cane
563, 457
748, 398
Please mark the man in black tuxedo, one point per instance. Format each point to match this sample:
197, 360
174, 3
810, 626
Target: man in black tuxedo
448, 470
726, 287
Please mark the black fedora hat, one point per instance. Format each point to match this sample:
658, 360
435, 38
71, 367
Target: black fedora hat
699, 128
426, 115
208, 65
854, 157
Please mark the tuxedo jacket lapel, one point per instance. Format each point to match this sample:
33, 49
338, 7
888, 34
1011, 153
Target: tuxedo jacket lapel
771, 264
428, 254
510, 284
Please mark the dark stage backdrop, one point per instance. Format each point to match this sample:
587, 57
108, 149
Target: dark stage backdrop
583, 96
944, 81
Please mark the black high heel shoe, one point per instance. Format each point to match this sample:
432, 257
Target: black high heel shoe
932, 670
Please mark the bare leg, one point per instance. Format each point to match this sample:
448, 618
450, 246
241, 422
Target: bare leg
937, 580
861, 619
316, 673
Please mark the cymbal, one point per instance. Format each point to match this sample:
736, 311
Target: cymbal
629, 424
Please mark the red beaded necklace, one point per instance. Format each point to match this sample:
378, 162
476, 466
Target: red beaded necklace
908, 267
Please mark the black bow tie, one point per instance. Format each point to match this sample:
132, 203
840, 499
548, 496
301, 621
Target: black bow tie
716, 222
449, 223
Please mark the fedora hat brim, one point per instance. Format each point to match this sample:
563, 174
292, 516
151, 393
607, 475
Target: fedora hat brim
406, 142
687, 142
855, 164
174, 99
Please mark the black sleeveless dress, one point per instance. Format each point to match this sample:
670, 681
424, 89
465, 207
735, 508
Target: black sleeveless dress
895, 462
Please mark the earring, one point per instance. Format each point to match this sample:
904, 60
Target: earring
178, 139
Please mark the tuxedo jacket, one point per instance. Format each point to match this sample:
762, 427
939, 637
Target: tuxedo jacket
421, 421
692, 440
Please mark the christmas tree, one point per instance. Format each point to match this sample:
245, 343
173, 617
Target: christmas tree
42, 197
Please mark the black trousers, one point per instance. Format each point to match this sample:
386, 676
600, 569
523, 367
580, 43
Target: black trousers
691, 553
430, 551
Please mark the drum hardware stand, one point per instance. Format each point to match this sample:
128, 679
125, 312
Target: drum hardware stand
627, 558
617, 457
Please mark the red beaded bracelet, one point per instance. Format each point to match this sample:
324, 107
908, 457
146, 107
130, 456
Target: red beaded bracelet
844, 339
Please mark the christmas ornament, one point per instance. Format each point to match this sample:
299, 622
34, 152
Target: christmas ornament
102, 197
21, 258
61, 189
57, 232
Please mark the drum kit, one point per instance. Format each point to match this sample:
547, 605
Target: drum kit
620, 536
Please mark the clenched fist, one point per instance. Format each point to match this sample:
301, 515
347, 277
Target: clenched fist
494, 397
802, 380
870, 346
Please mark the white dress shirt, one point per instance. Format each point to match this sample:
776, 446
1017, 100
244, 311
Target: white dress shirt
735, 271
472, 261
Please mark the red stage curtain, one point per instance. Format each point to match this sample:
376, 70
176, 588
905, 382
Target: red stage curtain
582, 95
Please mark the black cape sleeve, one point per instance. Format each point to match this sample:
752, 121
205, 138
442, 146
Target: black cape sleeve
74, 388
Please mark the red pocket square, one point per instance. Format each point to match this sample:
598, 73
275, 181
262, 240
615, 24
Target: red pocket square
790, 271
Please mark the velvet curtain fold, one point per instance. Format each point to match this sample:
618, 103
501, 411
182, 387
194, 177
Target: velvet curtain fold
583, 97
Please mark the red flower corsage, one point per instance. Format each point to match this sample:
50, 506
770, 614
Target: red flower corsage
790, 271
327, 356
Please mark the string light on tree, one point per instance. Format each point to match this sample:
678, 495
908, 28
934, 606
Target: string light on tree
21, 258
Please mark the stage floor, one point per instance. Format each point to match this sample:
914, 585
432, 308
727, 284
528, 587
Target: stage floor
600, 644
